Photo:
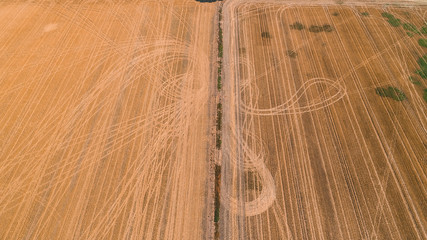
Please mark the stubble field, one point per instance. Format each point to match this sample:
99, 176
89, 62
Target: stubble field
105, 116
310, 151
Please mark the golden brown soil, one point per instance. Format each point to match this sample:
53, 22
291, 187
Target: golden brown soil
310, 151
104, 119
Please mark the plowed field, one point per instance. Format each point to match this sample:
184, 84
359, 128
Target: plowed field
104, 119
310, 150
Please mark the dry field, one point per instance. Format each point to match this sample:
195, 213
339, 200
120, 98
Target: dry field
104, 119
310, 151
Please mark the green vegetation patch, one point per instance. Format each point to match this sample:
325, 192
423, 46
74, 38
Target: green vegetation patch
219, 117
220, 45
364, 14
395, 22
387, 15
410, 34
422, 62
424, 30
425, 95
297, 26
414, 81
265, 35
317, 29
217, 192
220, 51
410, 27
327, 28
422, 42
391, 92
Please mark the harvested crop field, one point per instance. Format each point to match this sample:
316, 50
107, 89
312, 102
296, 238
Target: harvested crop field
105, 119
324, 130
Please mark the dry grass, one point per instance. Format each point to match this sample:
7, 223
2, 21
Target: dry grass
333, 159
104, 120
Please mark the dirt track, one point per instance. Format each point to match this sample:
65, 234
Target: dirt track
104, 120
309, 150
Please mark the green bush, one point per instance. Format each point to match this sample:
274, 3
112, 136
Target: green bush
410, 34
410, 27
327, 28
297, 26
219, 83
216, 218
422, 62
396, 94
387, 15
391, 92
219, 117
364, 14
315, 29
217, 192
391, 19
425, 95
394, 22
422, 42
265, 35
414, 81
424, 30
218, 141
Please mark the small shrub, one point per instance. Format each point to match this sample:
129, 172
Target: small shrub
315, 29
297, 26
414, 81
424, 30
410, 34
217, 192
364, 14
218, 141
425, 95
391, 92
265, 35
219, 83
422, 42
327, 28
335, 14
291, 53
396, 94
422, 62
216, 218
219, 117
